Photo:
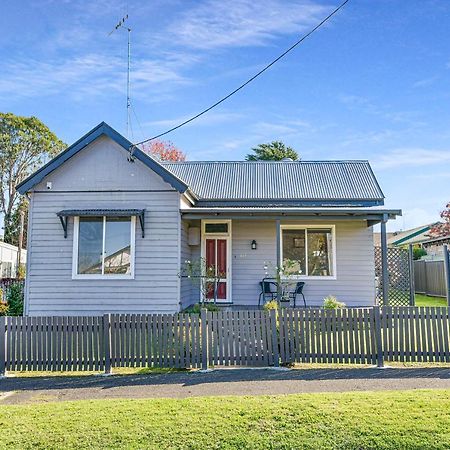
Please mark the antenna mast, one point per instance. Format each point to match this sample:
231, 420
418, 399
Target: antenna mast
120, 24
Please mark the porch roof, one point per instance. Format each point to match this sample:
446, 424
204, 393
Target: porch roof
372, 215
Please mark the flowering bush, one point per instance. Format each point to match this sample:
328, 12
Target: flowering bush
332, 302
3, 309
271, 304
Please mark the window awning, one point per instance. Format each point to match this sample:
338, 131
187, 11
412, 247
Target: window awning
66, 213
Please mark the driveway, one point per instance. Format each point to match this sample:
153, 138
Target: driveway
220, 382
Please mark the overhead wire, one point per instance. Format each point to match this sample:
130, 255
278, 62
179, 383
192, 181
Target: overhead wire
264, 69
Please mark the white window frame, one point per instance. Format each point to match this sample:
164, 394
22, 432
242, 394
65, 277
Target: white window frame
333, 243
205, 222
96, 276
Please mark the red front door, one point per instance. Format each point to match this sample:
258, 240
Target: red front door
216, 258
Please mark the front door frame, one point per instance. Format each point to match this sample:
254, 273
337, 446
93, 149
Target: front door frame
228, 238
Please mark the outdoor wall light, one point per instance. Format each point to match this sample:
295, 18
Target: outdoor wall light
254, 245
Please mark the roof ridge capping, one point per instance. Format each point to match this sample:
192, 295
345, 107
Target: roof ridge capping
325, 161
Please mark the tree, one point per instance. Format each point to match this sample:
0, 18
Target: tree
442, 229
164, 151
12, 224
25, 142
274, 151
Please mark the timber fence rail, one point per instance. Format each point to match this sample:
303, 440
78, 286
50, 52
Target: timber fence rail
225, 338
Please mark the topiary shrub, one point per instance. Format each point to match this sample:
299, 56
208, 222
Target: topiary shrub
332, 302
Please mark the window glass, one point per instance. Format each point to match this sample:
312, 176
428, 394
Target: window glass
311, 250
90, 245
104, 246
216, 227
294, 249
319, 252
117, 245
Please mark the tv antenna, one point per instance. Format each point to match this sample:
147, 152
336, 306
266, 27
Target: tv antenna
121, 24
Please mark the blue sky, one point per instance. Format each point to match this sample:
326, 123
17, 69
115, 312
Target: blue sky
374, 83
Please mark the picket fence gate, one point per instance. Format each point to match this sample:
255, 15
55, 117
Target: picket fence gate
225, 338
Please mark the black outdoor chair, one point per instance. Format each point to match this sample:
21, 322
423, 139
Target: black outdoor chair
298, 291
268, 288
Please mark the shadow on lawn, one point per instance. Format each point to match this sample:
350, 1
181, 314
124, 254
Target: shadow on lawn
218, 376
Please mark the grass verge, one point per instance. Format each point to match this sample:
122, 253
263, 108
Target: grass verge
381, 420
426, 300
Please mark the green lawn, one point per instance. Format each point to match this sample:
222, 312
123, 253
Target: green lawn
426, 300
375, 420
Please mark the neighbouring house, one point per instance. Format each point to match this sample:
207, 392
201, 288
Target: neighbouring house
434, 246
9, 258
418, 237
110, 228
414, 236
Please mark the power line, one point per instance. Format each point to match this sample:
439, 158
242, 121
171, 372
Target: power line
292, 47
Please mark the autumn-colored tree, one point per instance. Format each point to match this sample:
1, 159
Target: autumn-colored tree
442, 229
164, 151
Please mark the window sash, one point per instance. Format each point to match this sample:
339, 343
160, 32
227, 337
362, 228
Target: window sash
75, 268
331, 252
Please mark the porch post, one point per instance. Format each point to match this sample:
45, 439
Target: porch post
384, 262
412, 287
278, 265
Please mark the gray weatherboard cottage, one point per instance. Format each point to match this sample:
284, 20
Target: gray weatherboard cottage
110, 232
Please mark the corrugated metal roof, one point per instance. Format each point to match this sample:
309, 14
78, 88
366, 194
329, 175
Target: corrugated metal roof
284, 180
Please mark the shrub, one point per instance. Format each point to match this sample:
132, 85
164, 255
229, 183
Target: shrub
271, 304
332, 302
195, 309
418, 253
3, 308
14, 299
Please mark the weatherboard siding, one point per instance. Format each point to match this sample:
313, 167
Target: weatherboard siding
354, 283
185, 255
51, 289
101, 177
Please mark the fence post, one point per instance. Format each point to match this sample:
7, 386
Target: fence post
412, 287
447, 272
275, 344
204, 334
107, 342
377, 336
2, 346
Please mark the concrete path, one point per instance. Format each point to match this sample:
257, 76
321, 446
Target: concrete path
220, 382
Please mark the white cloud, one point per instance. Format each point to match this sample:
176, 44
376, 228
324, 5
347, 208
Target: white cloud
425, 82
217, 23
210, 118
412, 218
93, 74
368, 106
411, 157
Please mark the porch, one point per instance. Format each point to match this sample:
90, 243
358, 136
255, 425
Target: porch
332, 249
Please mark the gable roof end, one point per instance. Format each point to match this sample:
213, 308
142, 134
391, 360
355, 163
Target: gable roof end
102, 129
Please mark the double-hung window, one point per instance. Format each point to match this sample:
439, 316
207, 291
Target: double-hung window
103, 247
310, 250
